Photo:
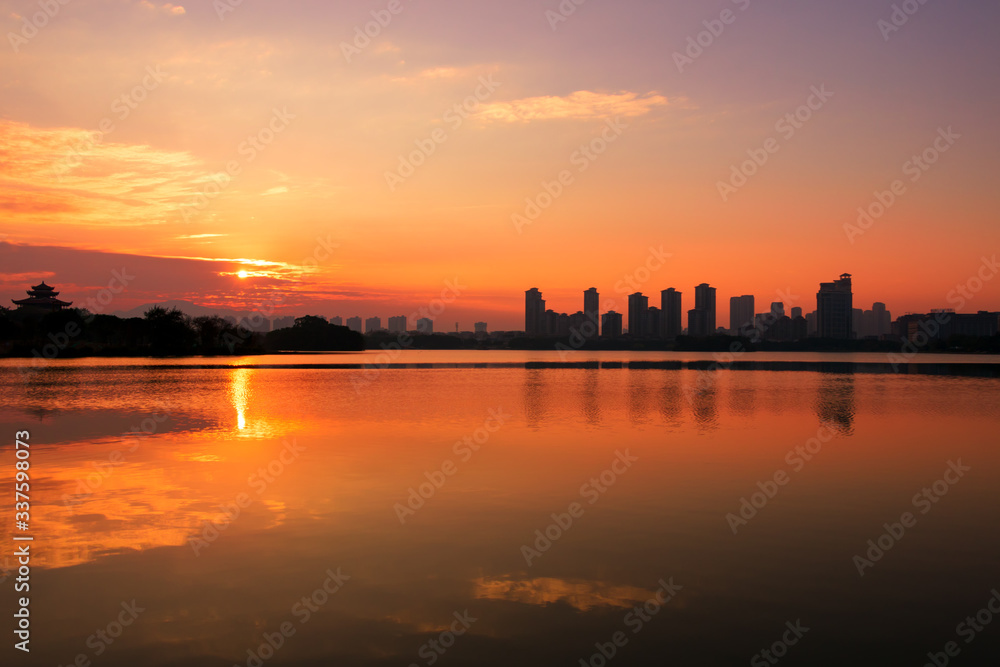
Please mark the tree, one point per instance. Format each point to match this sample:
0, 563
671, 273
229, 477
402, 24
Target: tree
170, 331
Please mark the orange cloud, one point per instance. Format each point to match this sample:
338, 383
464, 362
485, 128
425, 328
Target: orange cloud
583, 104
73, 176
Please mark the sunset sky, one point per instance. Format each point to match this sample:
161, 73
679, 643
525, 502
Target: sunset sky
186, 143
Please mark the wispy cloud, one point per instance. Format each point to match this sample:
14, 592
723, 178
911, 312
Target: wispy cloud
168, 8
583, 104
581, 594
63, 175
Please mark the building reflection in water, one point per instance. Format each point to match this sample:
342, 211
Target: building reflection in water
671, 401
835, 402
700, 392
742, 393
535, 397
638, 395
591, 402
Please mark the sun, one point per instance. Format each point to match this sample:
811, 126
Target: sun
243, 274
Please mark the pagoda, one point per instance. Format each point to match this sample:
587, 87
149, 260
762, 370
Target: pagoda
42, 298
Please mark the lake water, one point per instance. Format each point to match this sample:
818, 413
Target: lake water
201, 511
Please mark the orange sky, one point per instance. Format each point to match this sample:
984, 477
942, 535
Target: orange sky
197, 87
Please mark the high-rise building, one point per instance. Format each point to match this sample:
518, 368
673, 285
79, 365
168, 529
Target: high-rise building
534, 313
592, 313
337, 320
670, 307
857, 322
741, 313
777, 309
373, 324
835, 309
796, 312
480, 327
637, 307
611, 324
425, 326
354, 324
811, 326
654, 322
882, 319
701, 320
550, 323
397, 324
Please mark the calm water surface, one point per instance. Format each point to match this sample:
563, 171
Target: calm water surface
218, 498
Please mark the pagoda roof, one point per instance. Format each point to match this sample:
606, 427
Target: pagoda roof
42, 301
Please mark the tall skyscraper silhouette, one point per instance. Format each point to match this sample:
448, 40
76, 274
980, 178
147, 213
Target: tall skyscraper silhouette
591, 313
701, 320
741, 313
534, 312
883, 319
835, 309
611, 324
637, 306
671, 313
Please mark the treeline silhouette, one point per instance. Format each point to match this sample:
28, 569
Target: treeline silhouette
160, 332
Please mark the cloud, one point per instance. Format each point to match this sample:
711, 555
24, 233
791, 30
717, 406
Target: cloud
169, 8
279, 190
581, 594
581, 105
73, 176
